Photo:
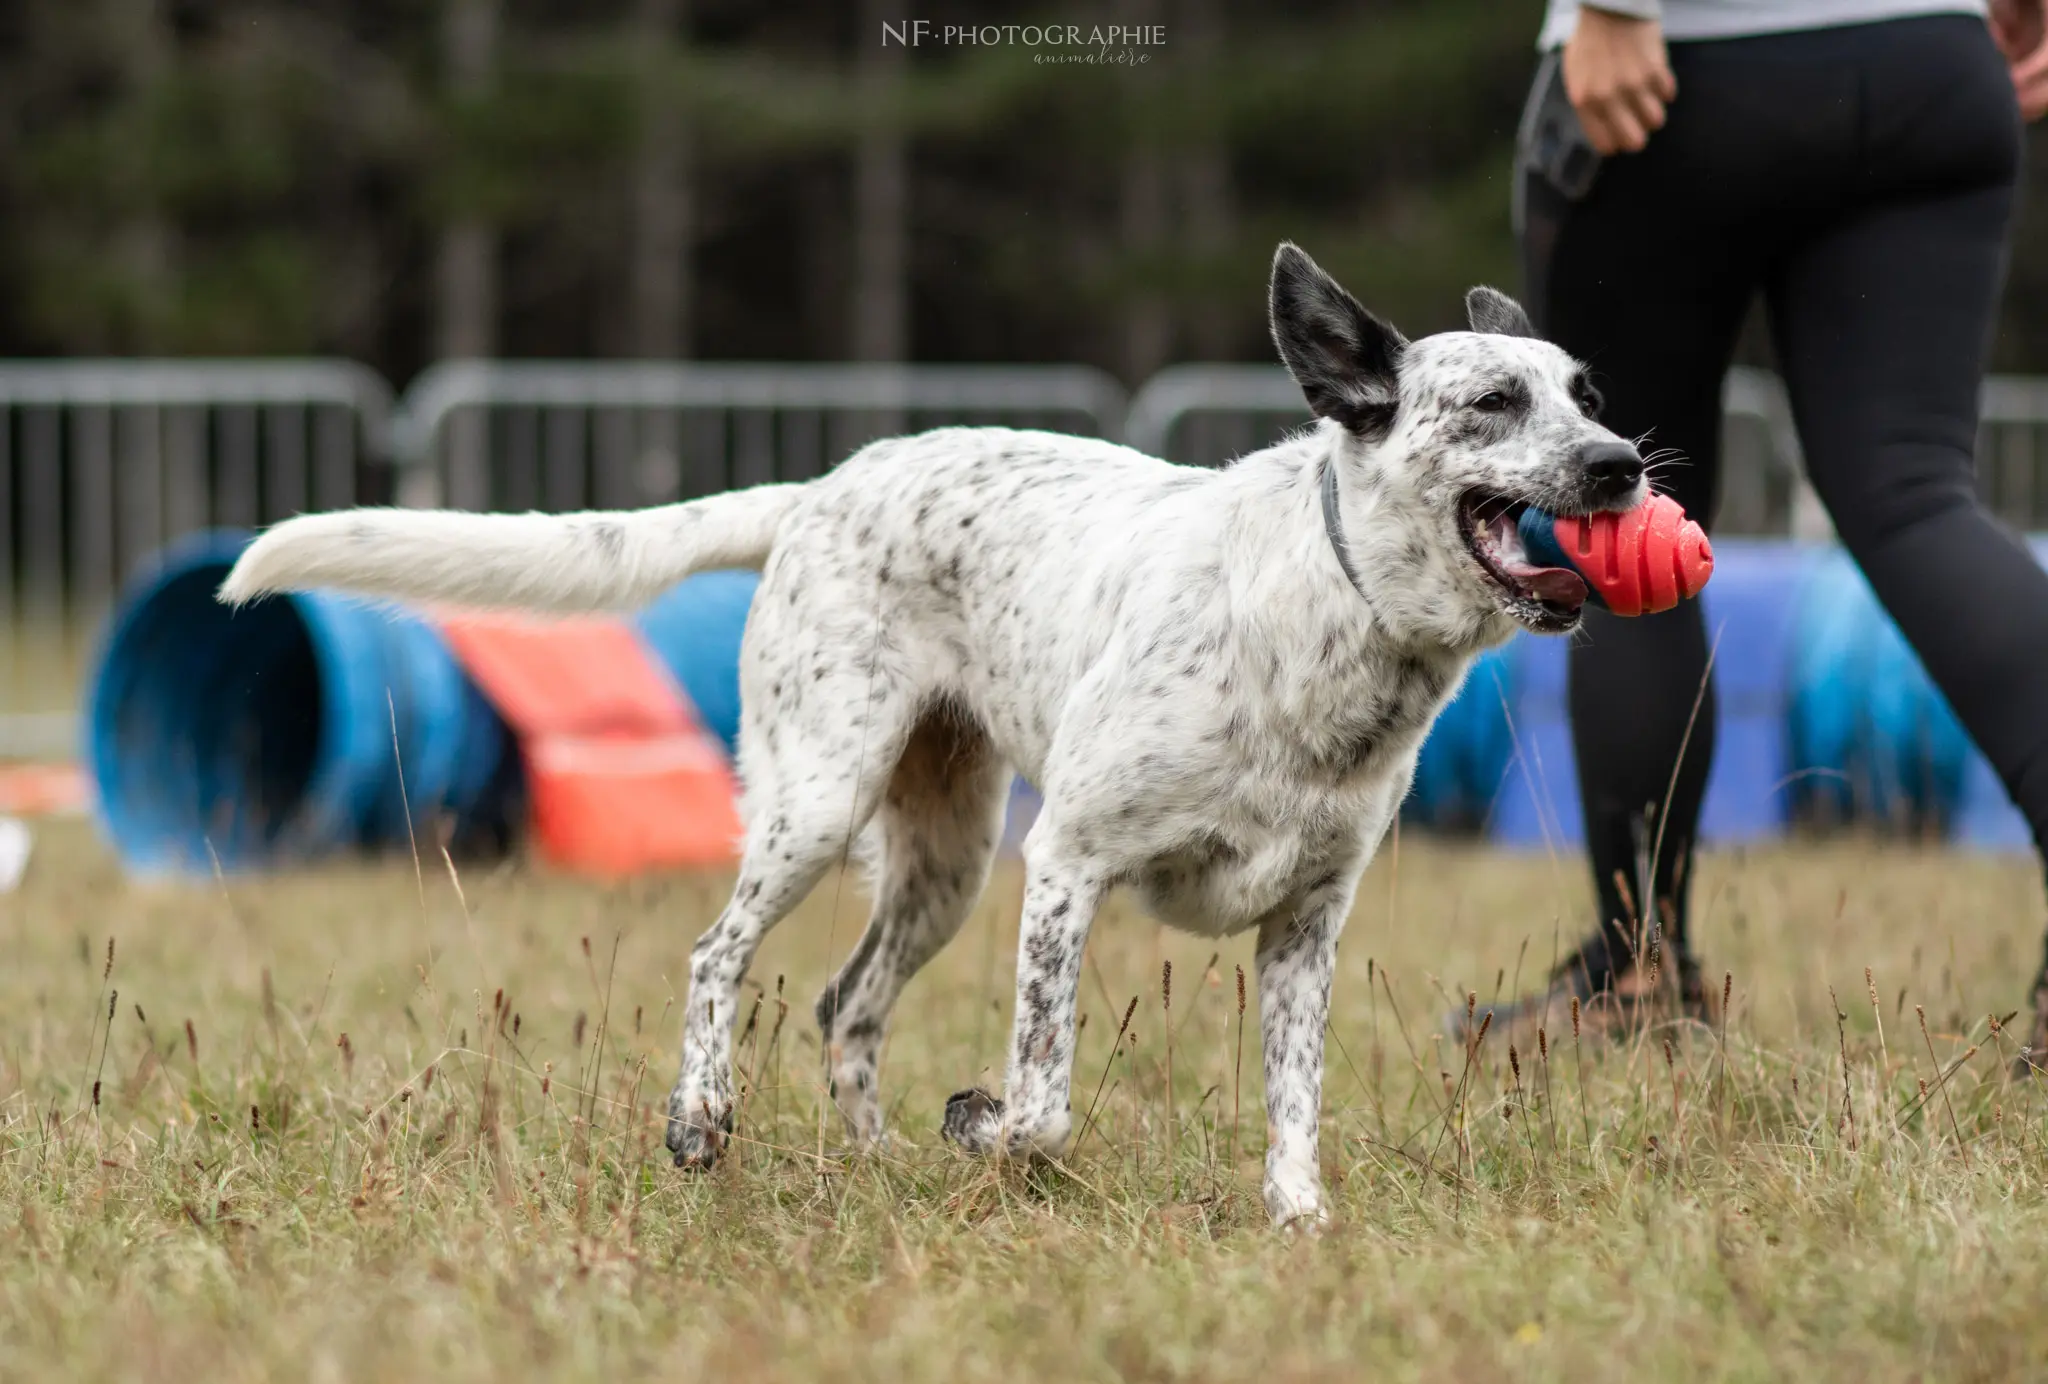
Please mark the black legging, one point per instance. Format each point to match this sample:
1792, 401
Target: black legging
1862, 178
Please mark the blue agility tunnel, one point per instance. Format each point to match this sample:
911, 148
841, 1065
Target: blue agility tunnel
1464, 762
1872, 738
1750, 607
1825, 717
277, 732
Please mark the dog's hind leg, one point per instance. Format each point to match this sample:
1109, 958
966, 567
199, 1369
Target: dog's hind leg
939, 824
812, 785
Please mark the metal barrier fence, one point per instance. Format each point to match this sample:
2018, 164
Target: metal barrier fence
103, 461
2010, 463
569, 435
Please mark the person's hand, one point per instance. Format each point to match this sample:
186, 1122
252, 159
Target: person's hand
2021, 29
1618, 78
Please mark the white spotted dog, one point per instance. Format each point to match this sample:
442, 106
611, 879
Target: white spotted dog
1218, 679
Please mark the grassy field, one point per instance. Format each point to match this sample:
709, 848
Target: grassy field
314, 1152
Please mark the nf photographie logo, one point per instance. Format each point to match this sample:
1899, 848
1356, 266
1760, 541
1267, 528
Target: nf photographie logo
1124, 45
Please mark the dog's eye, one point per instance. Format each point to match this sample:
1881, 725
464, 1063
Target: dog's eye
1590, 401
1493, 401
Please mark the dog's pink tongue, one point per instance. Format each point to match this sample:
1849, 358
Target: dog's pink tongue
1558, 585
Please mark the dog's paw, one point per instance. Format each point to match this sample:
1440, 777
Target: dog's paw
974, 1121
1309, 1223
697, 1136
1296, 1205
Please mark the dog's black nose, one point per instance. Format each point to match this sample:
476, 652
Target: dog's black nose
1611, 468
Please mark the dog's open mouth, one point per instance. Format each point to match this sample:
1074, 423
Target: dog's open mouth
1542, 597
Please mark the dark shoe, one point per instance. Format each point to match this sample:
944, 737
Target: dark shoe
1616, 996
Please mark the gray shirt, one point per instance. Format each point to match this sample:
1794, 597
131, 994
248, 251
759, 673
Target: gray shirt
1689, 19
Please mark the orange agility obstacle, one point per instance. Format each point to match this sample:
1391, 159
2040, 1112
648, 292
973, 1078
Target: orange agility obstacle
621, 774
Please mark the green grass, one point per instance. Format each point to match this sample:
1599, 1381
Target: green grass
269, 1199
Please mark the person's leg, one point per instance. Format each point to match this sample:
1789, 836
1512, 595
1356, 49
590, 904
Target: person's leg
1883, 325
1635, 282
1884, 369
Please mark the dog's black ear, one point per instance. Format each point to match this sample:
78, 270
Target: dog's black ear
1345, 359
1493, 312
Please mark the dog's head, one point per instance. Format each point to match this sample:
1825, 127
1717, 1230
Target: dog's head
1449, 439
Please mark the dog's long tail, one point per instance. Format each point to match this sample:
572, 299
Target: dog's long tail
600, 560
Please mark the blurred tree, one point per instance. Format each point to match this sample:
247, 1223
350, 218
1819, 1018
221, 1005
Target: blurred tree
142, 53
394, 180
881, 195
1148, 317
177, 183
467, 307
1205, 177
466, 274
662, 191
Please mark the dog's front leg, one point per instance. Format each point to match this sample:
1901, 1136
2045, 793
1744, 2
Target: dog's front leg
1297, 957
1034, 1116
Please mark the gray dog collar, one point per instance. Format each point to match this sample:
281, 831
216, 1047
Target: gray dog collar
1333, 525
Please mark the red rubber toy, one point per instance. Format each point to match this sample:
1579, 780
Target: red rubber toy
1639, 562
